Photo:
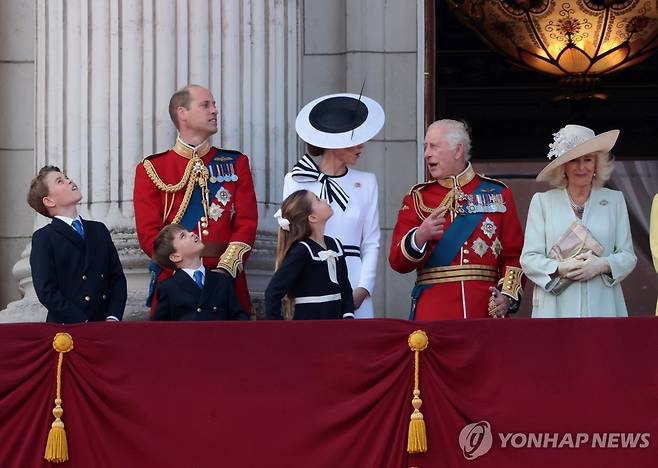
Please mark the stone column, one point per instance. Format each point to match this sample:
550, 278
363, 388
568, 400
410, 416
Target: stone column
104, 74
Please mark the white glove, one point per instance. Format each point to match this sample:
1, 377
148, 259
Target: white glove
589, 266
567, 266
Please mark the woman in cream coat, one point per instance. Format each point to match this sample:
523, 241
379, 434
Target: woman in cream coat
581, 167
653, 235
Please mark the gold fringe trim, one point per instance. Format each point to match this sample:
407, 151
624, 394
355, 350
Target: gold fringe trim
195, 173
57, 450
417, 440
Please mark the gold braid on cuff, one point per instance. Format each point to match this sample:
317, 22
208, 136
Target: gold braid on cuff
231, 259
510, 284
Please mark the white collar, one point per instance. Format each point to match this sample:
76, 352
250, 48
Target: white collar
190, 271
67, 220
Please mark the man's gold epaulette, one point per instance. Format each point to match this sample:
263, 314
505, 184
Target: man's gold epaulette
495, 181
420, 186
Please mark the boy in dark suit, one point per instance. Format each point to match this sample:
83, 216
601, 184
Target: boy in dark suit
192, 293
76, 270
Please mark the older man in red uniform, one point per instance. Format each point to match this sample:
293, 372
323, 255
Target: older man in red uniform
208, 190
461, 234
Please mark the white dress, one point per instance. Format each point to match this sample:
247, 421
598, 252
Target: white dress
357, 227
606, 217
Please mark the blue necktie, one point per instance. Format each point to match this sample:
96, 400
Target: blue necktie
77, 225
198, 278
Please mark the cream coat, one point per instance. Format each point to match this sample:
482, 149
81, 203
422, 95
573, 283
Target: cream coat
606, 217
653, 235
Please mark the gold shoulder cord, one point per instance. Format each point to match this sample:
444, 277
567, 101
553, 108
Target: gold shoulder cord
195, 173
451, 201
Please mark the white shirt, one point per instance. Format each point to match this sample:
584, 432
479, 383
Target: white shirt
69, 221
190, 271
358, 225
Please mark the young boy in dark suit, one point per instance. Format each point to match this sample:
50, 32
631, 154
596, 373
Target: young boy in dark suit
192, 293
76, 270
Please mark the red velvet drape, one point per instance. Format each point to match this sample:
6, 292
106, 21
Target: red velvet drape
330, 394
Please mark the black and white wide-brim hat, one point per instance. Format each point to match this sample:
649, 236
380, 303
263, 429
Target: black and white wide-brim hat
339, 121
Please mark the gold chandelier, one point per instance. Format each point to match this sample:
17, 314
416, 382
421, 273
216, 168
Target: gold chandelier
578, 40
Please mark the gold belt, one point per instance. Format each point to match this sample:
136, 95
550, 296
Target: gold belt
452, 273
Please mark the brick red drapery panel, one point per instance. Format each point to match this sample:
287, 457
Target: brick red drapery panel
330, 394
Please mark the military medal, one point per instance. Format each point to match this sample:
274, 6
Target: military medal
212, 179
480, 247
496, 247
215, 212
220, 173
233, 176
488, 227
223, 196
500, 203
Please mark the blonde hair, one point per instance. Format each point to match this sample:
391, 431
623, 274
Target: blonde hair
605, 164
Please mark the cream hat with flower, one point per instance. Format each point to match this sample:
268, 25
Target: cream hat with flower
572, 142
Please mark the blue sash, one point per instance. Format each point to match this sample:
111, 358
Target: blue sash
194, 211
453, 238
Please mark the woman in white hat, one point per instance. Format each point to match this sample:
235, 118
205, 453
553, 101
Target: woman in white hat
335, 127
578, 245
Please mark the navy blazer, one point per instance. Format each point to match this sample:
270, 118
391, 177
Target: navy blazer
77, 279
179, 298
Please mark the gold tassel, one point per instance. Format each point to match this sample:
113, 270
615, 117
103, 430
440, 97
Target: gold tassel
417, 440
57, 449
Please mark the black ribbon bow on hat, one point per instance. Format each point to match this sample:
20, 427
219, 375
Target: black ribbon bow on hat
307, 171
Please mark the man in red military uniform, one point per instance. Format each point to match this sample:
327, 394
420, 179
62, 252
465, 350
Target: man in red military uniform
461, 234
208, 190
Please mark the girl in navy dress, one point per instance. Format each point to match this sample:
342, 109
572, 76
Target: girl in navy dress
310, 268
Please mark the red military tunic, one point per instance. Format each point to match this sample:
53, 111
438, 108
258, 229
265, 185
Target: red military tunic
232, 222
489, 257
